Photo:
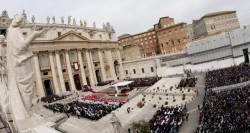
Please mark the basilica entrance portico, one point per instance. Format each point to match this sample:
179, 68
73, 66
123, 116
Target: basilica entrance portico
75, 59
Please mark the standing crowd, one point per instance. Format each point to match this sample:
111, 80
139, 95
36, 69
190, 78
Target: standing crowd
226, 112
187, 82
228, 76
167, 119
141, 82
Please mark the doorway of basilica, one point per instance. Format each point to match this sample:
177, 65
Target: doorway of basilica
47, 87
77, 81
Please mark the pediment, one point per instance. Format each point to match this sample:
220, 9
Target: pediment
71, 36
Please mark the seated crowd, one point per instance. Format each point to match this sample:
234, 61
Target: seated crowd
226, 112
105, 82
51, 98
104, 100
187, 82
228, 76
167, 119
141, 82
92, 111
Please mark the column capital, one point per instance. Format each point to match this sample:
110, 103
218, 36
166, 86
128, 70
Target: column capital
51, 51
80, 49
57, 51
35, 53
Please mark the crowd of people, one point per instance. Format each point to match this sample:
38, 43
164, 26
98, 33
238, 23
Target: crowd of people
141, 82
167, 119
92, 111
51, 98
226, 112
105, 82
228, 76
104, 100
187, 82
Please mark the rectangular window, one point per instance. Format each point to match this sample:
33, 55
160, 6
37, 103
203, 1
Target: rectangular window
45, 73
152, 69
142, 70
24, 34
134, 71
179, 41
126, 71
59, 33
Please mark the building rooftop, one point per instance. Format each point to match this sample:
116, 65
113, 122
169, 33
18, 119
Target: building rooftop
217, 13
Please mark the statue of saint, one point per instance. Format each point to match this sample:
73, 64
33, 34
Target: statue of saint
81, 24
3, 77
103, 26
48, 19
69, 19
85, 24
19, 72
54, 19
33, 19
62, 20
115, 123
94, 25
74, 21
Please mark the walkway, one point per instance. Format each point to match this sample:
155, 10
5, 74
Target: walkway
192, 107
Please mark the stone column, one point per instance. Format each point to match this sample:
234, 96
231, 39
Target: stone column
111, 64
92, 81
53, 70
39, 82
59, 69
121, 70
71, 80
102, 65
93, 67
79, 53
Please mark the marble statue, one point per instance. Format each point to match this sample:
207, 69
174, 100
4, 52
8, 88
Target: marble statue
103, 26
3, 78
33, 19
54, 19
74, 21
94, 25
108, 25
19, 72
62, 20
85, 24
115, 123
48, 19
69, 19
81, 24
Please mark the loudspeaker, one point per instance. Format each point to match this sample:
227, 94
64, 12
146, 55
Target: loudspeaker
245, 53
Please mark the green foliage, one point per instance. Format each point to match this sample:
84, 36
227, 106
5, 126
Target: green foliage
174, 100
166, 103
141, 126
154, 105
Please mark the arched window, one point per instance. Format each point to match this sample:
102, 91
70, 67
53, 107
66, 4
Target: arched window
43, 61
62, 59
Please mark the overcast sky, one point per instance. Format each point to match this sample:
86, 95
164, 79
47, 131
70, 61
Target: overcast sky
127, 16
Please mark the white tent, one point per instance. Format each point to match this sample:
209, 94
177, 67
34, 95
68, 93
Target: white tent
123, 83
